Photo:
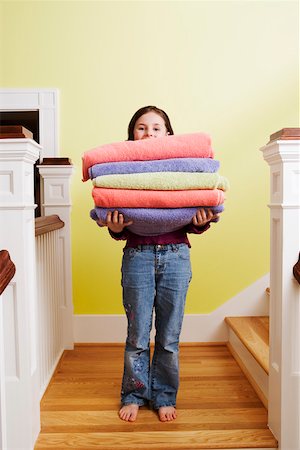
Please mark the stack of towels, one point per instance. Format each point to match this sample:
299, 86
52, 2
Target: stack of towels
159, 183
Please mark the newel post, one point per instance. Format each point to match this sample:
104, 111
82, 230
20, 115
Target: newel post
282, 154
19, 301
56, 199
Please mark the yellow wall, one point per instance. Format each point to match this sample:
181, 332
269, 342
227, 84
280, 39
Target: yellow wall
227, 68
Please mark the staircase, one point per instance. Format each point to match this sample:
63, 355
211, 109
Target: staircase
278, 385
249, 344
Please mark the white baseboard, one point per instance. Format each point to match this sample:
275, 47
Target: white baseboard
252, 301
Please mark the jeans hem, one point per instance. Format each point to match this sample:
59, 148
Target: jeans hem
156, 407
140, 403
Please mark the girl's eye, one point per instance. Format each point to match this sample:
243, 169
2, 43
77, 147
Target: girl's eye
156, 129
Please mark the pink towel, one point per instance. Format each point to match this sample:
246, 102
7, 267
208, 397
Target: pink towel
130, 198
194, 145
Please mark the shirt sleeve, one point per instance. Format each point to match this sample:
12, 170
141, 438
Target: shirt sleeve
119, 236
191, 228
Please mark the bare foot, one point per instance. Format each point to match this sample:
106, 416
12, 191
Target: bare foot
129, 412
167, 413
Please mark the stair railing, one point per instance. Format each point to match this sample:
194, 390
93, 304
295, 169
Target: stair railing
282, 153
32, 344
56, 176
50, 294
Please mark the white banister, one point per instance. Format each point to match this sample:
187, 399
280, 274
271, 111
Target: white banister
50, 291
19, 301
282, 154
56, 199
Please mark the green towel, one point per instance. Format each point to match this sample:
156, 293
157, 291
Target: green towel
163, 181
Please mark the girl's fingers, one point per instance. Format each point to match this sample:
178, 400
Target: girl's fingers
201, 215
209, 214
112, 217
115, 217
122, 222
126, 224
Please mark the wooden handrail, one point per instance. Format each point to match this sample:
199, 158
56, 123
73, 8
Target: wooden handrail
296, 270
14, 132
57, 161
286, 134
45, 224
7, 269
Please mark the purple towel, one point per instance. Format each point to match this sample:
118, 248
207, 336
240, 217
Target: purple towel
164, 165
154, 221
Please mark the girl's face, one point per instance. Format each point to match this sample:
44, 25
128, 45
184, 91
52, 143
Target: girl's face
149, 125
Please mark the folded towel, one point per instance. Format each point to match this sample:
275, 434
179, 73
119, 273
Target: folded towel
195, 145
164, 165
164, 181
154, 221
131, 198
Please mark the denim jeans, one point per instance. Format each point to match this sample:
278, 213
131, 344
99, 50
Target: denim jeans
154, 277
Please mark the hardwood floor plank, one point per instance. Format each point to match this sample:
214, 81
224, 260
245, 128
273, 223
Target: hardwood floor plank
97, 389
108, 404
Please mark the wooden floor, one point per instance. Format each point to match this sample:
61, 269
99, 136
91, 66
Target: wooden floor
217, 407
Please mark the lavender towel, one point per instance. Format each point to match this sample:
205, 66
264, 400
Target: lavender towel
164, 165
154, 221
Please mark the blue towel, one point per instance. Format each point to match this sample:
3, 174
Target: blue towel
163, 165
154, 221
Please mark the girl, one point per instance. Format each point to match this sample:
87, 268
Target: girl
156, 273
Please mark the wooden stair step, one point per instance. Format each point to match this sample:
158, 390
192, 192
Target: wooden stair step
204, 439
253, 332
187, 420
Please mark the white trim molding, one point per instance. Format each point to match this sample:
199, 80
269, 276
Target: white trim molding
196, 327
46, 102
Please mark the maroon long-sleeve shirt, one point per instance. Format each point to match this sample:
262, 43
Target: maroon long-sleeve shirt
175, 237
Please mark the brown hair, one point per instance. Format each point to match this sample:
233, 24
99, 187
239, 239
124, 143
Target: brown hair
145, 109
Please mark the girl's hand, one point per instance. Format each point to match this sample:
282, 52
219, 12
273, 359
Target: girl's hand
203, 216
115, 222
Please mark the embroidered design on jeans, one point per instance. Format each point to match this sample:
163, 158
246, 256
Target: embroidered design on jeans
138, 384
132, 384
138, 365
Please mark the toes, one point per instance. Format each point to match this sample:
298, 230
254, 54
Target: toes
129, 413
167, 414
125, 417
122, 415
